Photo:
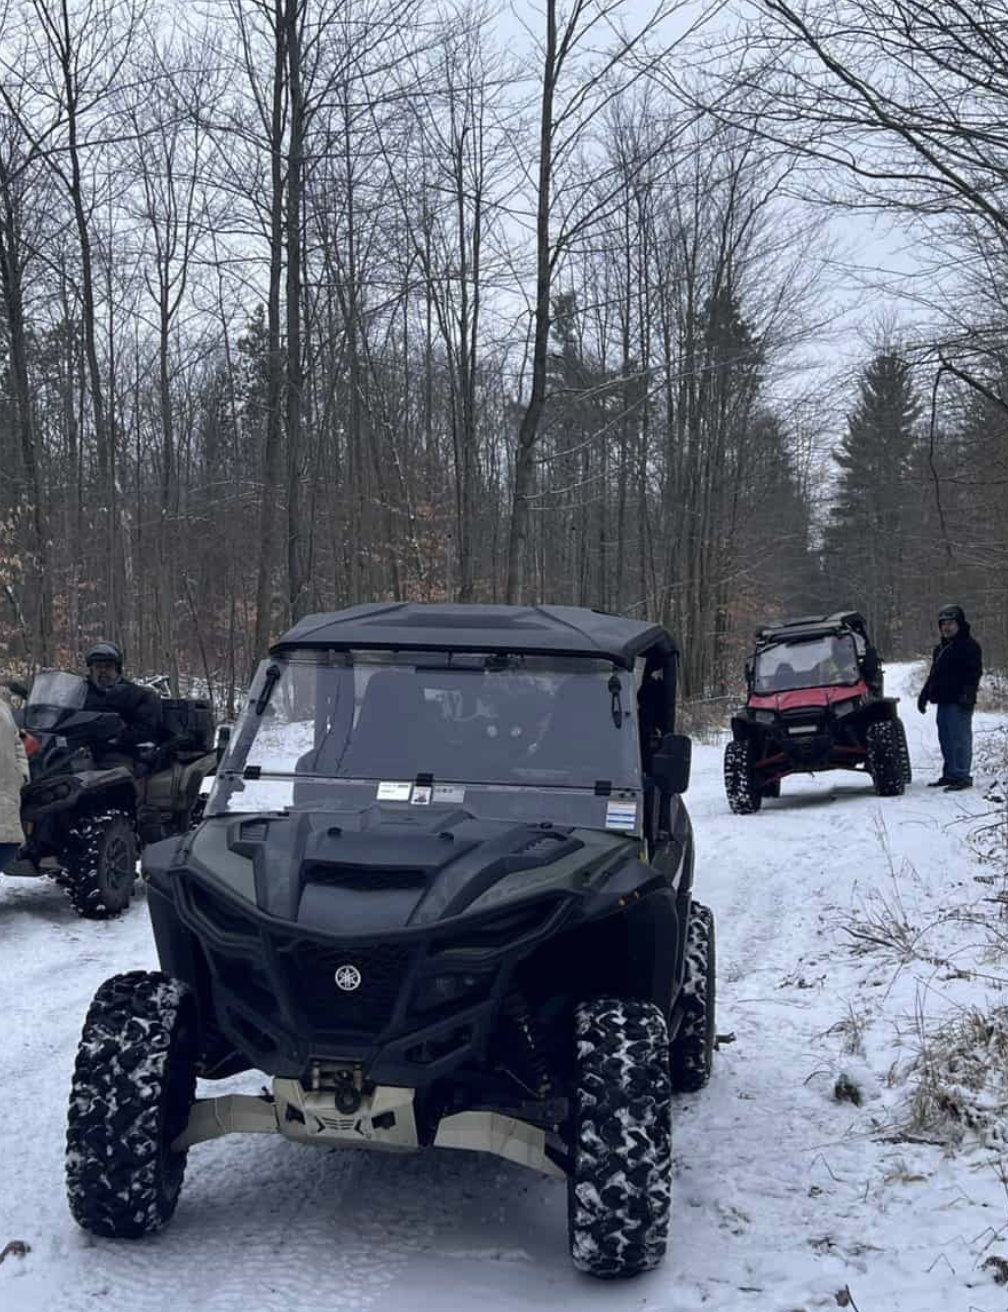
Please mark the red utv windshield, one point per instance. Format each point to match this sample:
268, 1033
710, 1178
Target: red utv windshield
816, 663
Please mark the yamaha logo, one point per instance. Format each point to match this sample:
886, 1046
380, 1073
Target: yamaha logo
348, 978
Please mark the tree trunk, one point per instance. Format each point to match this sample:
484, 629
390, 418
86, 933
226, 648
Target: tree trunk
11, 270
274, 364
524, 471
297, 583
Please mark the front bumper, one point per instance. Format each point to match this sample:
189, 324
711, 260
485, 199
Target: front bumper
806, 741
383, 1120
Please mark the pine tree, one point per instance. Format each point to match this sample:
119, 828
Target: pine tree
868, 541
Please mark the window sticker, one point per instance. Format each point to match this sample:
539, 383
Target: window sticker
421, 795
394, 790
621, 815
449, 793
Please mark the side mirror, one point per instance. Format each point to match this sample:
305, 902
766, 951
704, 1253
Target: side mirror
18, 689
670, 765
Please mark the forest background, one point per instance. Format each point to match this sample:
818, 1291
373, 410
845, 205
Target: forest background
308, 302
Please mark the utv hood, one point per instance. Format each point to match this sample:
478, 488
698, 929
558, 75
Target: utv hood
798, 698
378, 870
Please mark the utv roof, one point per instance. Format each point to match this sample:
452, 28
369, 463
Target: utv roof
813, 626
546, 630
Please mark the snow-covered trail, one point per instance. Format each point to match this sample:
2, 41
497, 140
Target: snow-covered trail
784, 1197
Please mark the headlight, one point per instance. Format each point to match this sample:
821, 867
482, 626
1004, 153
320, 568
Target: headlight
445, 989
764, 717
845, 707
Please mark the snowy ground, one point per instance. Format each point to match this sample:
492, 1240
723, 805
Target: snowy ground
786, 1199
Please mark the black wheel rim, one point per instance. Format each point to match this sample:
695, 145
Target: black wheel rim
119, 863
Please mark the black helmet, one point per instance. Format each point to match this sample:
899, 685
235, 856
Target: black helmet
105, 651
952, 613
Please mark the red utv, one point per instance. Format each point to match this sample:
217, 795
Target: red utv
814, 703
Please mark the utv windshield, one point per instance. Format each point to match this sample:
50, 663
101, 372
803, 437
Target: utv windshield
395, 720
815, 663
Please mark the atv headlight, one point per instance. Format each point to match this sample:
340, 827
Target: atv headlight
764, 717
845, 707
443, 990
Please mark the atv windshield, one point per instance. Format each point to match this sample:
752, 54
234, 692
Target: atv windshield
52, 694
814, 663
395, 720
55, 688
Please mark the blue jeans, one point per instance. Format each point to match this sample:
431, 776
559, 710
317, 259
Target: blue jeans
8, 851
955, 736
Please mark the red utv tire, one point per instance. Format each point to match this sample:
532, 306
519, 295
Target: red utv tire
904, 752
744, 797
885, 758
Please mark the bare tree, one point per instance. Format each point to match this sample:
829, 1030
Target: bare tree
908, 103
74, 59
439, 158
15, 178
168, 146
576, 84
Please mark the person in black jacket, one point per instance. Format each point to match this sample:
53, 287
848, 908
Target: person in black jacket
138, 707
956, 667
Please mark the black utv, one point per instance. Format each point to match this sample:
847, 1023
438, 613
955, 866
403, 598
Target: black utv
87, 808
442, 895
814, 702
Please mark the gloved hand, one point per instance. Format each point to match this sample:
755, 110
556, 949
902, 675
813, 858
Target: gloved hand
147, 753
922, 704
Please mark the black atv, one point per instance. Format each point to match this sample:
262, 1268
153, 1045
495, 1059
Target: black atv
443, 895
814, 702
87, 809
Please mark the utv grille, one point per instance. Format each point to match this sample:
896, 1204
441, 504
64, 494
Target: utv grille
312, 968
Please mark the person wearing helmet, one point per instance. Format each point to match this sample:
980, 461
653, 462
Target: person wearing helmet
952, 682
139, 708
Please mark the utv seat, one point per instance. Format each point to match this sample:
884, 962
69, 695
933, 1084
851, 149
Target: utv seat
783, 677
398, 731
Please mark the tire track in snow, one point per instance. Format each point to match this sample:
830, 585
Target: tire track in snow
263, 1225
783, 1187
